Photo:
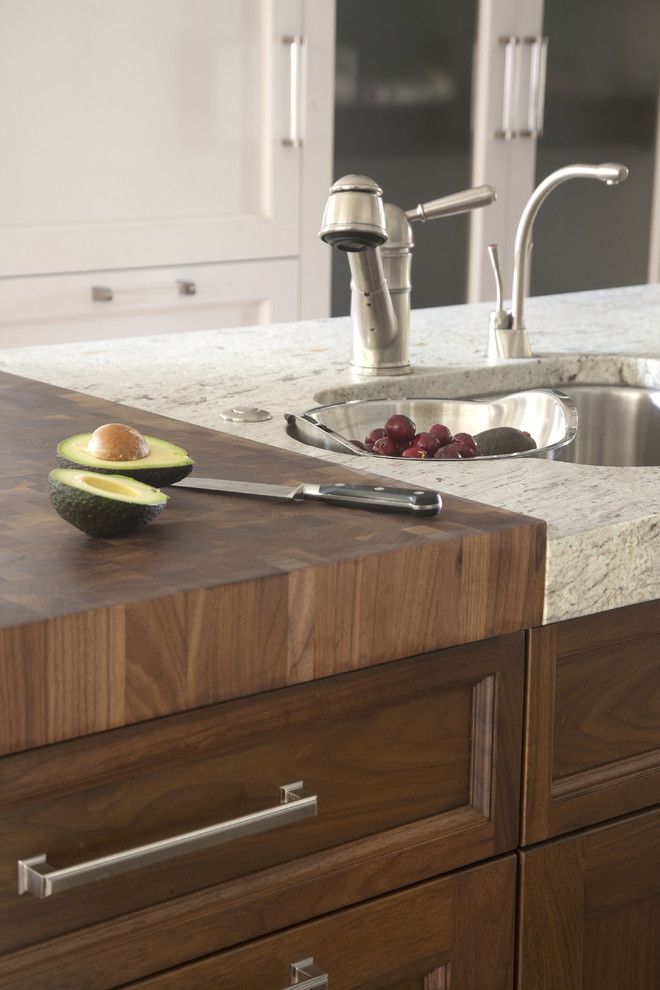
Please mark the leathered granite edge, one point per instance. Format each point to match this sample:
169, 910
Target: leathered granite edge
603, 523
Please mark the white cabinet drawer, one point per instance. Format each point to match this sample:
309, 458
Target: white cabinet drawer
61, 308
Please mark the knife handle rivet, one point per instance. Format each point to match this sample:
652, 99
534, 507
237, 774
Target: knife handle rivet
339, 484
379, 489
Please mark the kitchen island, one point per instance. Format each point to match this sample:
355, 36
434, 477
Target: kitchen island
468, 766
603, 548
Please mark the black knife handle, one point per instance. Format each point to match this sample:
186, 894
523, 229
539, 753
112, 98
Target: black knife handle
378, 498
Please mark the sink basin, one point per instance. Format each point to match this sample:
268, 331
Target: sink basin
619, 426
617, 398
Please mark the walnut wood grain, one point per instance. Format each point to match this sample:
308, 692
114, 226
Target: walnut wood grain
590, 909
416, 765
592, 723
223, 596
455, 933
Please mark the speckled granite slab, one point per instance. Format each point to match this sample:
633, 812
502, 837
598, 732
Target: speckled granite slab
603, 523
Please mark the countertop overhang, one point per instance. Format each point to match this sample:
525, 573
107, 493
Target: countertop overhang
603, 535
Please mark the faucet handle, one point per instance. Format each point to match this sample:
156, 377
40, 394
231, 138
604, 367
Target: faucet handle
499, 318
460, 202
494, 258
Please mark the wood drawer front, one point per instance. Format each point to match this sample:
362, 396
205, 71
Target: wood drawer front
590, 909
592, 748
48, 309
456, 931
424, 751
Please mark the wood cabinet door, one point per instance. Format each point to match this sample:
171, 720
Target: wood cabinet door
454, 933
415, 767
592, 737
590, 909
151, 132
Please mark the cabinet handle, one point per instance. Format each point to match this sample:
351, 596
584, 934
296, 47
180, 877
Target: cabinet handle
295, 43
37, 877
538, 55
105, 293
512, 56
306, 976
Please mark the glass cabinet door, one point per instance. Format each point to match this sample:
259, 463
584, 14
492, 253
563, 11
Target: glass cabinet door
402, 116
601, 105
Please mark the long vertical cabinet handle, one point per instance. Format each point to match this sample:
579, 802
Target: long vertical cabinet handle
538, 63
37, 877
306, 976
512, 55
295, 44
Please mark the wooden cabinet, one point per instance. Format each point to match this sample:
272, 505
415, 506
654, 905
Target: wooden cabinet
158, 134
592, 743
415, 766
453, 932
590, 909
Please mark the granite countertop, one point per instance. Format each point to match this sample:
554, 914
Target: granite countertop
603, 532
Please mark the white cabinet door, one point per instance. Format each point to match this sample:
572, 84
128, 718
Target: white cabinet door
56, 309
147, 132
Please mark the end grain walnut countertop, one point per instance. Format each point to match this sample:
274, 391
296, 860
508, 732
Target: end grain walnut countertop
224, 596
603, 533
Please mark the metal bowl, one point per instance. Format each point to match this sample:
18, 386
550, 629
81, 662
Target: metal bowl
549, 415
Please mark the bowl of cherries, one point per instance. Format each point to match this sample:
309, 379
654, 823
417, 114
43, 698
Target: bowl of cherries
399, 438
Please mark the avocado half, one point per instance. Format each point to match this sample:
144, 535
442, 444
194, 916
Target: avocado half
164, 465
102, 504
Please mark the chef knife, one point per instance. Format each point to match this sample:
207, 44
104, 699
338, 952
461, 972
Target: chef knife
377, 498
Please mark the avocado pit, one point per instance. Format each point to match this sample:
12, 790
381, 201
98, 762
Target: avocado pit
118, 442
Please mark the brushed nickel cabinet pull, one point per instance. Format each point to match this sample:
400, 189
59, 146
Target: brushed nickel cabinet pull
105, 293
295, 43
37, 877
306, 976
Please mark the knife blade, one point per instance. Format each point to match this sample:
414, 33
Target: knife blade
376, 498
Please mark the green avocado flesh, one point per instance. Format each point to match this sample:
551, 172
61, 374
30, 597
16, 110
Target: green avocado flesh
164, 465
102, 504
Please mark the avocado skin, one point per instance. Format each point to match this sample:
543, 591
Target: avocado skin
156, 477
98, 515
503, 440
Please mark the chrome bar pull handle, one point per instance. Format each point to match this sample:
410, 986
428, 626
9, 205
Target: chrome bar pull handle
537, 74
105, 293
295, 43
306, 976
37, 877
512, 56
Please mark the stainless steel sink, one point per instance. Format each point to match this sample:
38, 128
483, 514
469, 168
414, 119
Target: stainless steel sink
619, 426
549, 416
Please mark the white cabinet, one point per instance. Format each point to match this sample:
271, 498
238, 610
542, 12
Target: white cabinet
145, 133
45, 309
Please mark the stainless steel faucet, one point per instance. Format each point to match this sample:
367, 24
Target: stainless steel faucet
508, 333
379, 241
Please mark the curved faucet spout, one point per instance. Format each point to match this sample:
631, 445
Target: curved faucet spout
611, 173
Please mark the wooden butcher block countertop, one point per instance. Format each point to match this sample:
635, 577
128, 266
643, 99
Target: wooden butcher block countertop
224, 596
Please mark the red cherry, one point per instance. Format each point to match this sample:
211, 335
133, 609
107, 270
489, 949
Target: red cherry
371, 438
466, 444
400, 428
386, 447
441, 433
448, 452
426, 442
415, 452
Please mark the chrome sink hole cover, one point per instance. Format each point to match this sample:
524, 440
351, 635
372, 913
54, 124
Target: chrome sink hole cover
548, 415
